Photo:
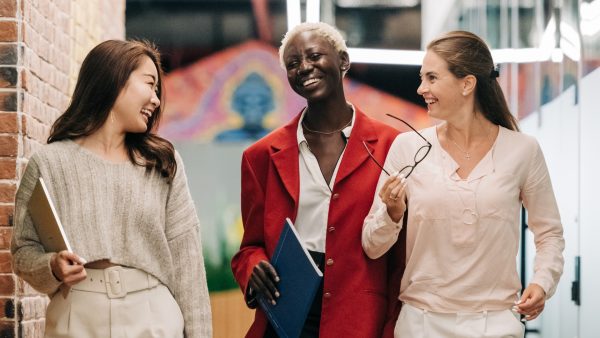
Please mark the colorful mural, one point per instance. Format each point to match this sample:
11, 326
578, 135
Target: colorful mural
234, 89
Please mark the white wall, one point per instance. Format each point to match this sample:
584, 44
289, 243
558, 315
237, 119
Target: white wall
557, 132
590, 206
567, 130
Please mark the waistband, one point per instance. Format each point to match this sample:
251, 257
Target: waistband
116, 281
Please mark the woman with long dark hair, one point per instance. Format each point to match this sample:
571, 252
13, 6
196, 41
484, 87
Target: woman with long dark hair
461, 205
121, 193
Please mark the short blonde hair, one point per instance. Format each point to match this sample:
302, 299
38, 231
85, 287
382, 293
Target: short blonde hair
324, 30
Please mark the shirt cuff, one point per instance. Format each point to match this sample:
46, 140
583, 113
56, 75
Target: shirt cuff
547, 286
385, 221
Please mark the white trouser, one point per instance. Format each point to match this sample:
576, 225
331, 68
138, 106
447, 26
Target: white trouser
416, 323
116, 303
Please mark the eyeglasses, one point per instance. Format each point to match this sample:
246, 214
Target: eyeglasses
419, 156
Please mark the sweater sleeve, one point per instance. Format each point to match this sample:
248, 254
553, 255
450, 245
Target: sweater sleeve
30, 261
544, 222
189, 277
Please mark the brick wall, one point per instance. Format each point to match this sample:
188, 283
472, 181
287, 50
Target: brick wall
42, 44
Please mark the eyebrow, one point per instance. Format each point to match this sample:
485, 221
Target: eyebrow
428, 73
151, 75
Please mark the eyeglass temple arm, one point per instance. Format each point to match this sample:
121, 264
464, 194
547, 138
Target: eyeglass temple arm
411, 127
374, 160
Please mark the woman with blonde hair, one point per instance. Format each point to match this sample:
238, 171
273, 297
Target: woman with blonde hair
316, 171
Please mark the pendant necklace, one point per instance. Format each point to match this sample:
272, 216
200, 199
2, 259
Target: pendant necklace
467, 154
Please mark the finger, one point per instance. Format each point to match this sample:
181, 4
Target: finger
270, 270
270, 278
75, 278
533, 315
264, 283
70, 273
384, 191
393, 191
64, 269
398, 189
71, 258
257, 284
532, 299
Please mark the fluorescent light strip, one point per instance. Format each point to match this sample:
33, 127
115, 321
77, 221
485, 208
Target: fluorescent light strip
415, 58
386, 56
313, 10
293, 13
520, 55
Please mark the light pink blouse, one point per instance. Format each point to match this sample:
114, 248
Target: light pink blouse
463, 235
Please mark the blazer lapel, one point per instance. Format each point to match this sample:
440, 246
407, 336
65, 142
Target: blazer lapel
285, 159
355, 153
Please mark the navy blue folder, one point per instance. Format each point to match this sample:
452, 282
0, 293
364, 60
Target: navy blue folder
299, 280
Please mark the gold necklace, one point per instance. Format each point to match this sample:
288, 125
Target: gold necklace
325, 132
466, 153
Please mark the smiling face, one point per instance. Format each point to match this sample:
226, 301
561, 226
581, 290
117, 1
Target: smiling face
138, 99
314, 68
442, 91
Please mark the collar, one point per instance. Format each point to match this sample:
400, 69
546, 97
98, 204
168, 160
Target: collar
346, 131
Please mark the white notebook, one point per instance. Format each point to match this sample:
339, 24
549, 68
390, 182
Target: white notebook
46, 221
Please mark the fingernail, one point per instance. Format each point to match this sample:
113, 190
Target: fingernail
518, 302
515, 309
273, 302
277, 279
277, 294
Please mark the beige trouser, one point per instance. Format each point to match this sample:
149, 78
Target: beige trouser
417, 323
115, 303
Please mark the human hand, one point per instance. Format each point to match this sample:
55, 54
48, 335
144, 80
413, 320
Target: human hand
532, 302
263, 279
68, 268
393, 195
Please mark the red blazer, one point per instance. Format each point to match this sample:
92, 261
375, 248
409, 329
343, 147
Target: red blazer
359, 294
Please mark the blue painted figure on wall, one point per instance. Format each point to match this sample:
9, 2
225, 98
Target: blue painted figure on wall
253, 100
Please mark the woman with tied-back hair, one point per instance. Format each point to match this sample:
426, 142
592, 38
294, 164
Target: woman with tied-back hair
121, 193
461, 205
316, 171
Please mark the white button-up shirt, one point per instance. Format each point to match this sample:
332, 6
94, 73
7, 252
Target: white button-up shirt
315, 192
463, 235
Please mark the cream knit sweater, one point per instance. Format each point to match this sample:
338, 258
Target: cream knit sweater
119, 212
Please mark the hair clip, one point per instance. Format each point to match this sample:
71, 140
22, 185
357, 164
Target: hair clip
494, 73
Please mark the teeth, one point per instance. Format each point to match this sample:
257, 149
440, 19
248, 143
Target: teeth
309, 82
147, 113
430, 101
